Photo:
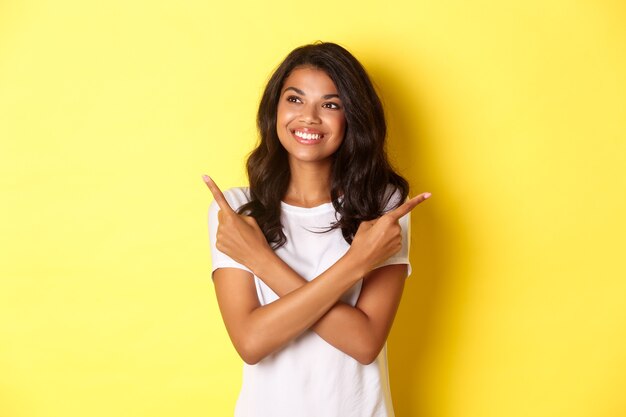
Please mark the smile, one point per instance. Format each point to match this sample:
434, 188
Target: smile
307, 136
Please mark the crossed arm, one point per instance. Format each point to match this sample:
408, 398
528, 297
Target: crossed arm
257, 331
359, 331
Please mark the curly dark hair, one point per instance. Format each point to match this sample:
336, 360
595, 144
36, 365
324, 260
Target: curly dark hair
361, 173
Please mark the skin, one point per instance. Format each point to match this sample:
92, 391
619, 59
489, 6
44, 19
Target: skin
360, 331
310, 103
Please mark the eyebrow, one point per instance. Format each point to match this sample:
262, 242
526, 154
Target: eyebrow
297, 90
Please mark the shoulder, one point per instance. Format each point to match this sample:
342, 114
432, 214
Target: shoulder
392, 198
236, 197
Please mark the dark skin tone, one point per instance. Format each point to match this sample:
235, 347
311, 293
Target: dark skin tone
360, 331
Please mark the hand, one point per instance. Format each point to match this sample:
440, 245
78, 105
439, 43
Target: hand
238, 236
377, 240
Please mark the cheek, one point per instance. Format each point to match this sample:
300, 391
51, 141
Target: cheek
283, 114
339, 129
340, 125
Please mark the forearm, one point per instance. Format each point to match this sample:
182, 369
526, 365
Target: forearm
345, 327
275, 324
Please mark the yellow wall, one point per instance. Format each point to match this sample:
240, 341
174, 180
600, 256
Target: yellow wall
513, 114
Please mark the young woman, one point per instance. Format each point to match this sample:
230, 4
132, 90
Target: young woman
309, 261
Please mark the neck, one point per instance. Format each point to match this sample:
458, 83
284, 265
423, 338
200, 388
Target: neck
310, 183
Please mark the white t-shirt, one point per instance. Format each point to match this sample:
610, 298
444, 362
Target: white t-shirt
309, 377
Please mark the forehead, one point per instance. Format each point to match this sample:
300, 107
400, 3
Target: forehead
310, 80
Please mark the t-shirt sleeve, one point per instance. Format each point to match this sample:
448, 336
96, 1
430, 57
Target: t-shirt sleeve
219, 259
402, 257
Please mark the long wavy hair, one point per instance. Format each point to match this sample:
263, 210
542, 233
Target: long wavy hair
361, 174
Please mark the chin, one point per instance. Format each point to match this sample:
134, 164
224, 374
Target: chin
309, 158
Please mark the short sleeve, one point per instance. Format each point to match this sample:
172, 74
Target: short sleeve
402, 257
219, 259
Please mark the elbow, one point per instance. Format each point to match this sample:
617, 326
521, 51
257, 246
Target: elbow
368, 354
366, 359
249, 351
250, 359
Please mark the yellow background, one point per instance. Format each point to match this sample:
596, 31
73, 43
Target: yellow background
513, 114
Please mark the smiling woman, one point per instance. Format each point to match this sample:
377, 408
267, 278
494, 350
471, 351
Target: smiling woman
310, 121
309, 261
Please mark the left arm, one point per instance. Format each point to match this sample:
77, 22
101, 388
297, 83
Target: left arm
359, 331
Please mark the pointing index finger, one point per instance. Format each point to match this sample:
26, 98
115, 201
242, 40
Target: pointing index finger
217, 194
408, 206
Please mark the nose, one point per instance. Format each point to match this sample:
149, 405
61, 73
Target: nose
309, 115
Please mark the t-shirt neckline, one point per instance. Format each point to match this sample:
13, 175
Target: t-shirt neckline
322, 208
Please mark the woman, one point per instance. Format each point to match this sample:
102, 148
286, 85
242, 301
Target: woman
309, 261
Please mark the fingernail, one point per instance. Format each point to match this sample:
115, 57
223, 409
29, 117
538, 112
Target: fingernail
206, 178
426, 195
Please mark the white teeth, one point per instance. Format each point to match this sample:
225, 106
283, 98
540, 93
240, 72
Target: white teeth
308, 136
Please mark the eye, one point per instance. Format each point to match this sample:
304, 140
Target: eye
294, 99
331, 105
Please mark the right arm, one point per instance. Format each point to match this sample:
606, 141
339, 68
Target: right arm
361, 330
257, 331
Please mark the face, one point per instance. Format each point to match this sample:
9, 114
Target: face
310, 120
